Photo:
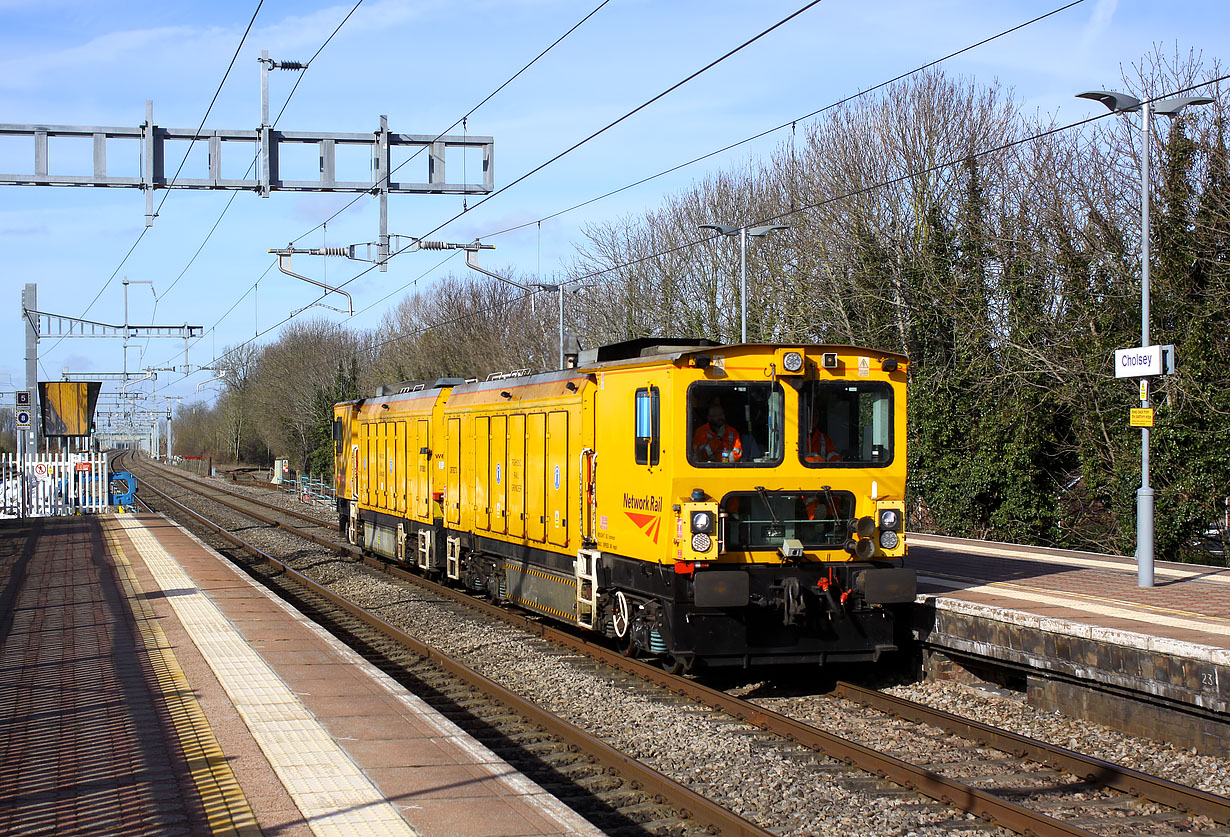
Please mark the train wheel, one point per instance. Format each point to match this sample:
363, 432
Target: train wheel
675, 665
626, 645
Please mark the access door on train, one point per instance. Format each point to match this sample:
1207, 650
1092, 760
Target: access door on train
557, 478
514, 490
452, 462
420, 483
536, 477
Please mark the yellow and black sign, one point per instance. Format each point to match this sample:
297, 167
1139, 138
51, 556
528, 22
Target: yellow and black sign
1142, 417
68, 407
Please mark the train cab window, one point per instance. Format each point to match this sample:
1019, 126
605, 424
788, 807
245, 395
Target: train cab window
735, 424
762, 520
844, 423
339, 436
647, 426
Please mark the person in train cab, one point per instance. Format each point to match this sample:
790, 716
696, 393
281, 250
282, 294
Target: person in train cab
820, 447
716, 441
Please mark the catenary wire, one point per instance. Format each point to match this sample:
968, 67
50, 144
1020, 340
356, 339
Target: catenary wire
785, 125
595, 134
470, 112
467, 114
144, 230
844, 196
589, 277
582, 142
685, 81
251, 165
182, 162
625, 117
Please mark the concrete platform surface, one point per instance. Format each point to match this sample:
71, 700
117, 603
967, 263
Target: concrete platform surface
150, 687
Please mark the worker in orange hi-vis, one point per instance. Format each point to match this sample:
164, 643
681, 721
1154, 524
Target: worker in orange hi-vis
716, 441
820, 447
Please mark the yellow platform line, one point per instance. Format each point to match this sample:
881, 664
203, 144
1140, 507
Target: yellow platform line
328, 787
226, 808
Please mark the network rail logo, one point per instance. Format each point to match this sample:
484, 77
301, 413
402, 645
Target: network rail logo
650, 524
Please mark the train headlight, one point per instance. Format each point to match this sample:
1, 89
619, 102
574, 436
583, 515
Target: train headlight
701, 542
702, 524
888, 540
792, 361
865, 527
890, 519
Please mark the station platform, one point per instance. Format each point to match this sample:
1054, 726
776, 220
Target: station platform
1151, 661
147, 686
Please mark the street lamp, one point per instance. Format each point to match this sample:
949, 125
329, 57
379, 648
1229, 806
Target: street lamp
472, 263
744, 232
1123, 103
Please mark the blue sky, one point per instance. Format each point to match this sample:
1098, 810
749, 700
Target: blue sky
424, 64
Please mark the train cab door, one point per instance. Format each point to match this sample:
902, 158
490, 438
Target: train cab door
482, 472
536, 477
557, 477
452, 464
420, 454
497, 484
515, 482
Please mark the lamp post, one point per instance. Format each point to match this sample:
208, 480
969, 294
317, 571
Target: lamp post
1123, 103
744, 232
558, 289
472, 263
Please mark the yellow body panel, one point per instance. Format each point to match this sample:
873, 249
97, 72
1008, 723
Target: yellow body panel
549, 461
382, 453
517, 484
515, 477
536, 477
635, 514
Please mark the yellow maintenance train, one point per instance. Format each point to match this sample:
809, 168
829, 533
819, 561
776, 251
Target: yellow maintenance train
706, 504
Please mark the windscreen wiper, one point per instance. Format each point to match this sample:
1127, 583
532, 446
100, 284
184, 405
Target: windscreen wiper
778, 529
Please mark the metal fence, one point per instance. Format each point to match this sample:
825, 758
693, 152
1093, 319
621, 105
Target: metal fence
310, 489
53, 484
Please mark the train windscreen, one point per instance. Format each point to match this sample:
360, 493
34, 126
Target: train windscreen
735, 424
844, 423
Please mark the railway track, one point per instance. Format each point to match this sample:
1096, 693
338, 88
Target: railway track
614, 791
1030, 800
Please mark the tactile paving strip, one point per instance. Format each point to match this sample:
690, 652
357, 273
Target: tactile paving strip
329, 789
226, 807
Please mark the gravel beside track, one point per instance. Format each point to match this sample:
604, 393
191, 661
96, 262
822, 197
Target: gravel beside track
783, 787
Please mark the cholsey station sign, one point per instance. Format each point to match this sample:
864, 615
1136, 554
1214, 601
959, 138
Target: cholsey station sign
1144, 361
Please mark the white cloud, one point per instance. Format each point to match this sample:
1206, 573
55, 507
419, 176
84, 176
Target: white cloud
31, 71
1098, 23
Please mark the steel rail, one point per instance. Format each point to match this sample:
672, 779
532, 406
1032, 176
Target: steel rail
690, 804
987, 806
178, 478
1119, 777
294, 530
